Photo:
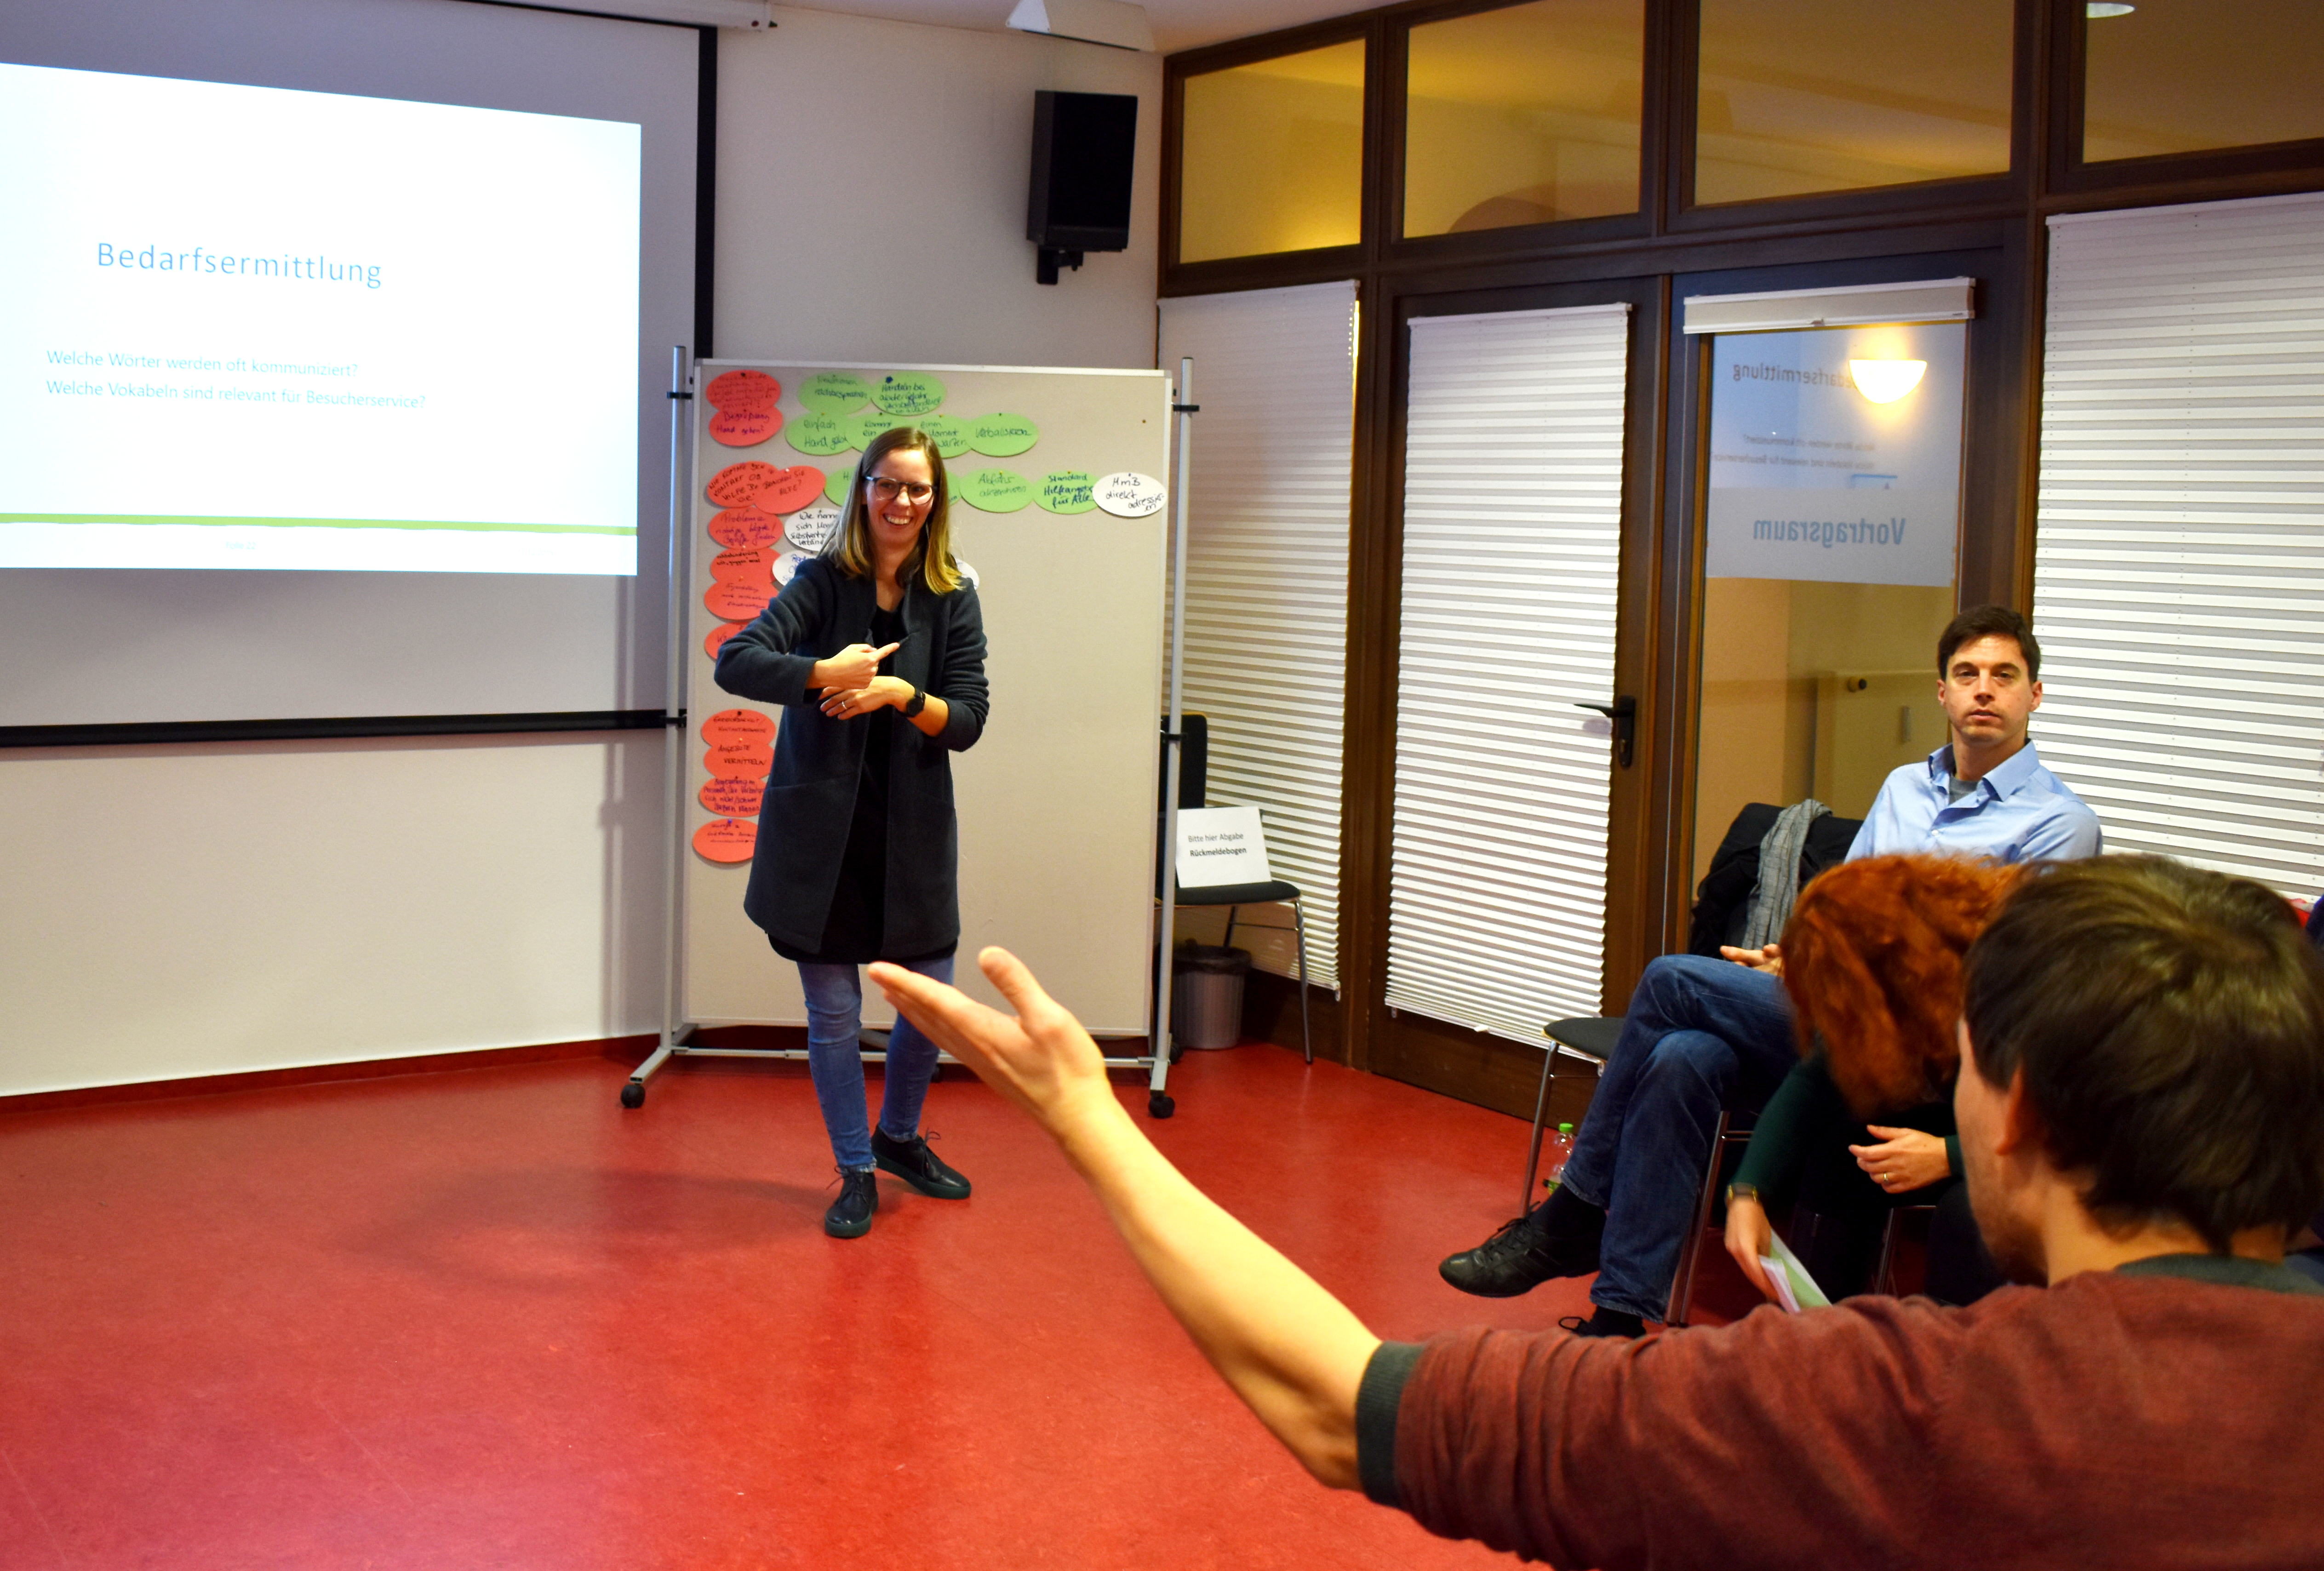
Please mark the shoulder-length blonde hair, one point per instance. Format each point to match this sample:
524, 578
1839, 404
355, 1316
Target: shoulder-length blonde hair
850, 546
1872, 958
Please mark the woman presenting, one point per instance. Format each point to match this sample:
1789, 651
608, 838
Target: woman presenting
875, 649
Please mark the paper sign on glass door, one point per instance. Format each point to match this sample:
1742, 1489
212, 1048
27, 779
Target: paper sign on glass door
1836, 454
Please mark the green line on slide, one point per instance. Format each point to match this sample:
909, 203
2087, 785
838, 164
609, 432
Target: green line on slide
318, 523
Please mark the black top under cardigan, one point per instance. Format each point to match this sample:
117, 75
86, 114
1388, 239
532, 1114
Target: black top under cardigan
810, 796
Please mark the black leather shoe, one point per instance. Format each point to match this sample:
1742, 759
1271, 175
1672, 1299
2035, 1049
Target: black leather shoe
1605, 1322
850, 1216
1522, 1254
916, 1165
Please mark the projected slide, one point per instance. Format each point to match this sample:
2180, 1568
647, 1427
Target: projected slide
247, 327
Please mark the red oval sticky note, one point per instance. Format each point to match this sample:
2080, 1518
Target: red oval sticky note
737, 602
738, 725
726, 839
756, 567
738, 429
746, 525
738, 485
745, 759
732, 798
715, 639
792, 489
743, 392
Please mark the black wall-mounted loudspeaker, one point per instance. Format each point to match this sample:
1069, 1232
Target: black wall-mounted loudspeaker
1083, 145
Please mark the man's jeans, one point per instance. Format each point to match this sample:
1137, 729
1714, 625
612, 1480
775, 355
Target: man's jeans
1700, 1035
834, 1010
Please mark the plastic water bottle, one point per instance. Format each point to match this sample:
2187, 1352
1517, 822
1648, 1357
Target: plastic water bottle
1560, 1146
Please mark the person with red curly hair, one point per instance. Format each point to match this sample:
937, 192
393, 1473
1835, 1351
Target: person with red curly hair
1873, 967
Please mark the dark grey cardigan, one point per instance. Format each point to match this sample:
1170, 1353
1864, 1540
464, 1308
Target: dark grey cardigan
810, 796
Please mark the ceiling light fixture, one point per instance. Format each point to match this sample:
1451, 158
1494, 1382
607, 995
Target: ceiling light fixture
2097, 8
1116, 23
1884, 381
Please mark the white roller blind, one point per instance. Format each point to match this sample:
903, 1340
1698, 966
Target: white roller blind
2179, 567
1267, 568
1512, 527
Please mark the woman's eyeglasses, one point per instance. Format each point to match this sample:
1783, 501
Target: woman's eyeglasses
887, 489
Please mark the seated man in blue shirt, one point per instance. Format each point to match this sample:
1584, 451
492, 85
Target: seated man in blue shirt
1702, 1034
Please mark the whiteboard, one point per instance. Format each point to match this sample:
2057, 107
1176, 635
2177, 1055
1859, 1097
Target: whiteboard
1057, 800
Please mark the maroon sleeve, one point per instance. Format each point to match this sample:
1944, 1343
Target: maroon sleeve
1783, 1439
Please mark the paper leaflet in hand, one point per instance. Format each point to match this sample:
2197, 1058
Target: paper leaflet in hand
1795, 1287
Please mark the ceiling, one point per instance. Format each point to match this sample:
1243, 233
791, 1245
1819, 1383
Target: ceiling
1177, 23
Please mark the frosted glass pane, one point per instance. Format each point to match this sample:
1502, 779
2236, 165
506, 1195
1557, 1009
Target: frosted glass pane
1522, 116
1273, 154
1802, 96
2166, 77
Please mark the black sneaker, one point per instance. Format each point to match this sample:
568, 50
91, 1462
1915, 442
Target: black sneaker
1551, 1240
916, 1165
850, 1216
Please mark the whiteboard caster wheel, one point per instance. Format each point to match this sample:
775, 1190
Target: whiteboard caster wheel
633, 1094
1159, 1105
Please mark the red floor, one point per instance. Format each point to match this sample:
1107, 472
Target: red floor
489, 1319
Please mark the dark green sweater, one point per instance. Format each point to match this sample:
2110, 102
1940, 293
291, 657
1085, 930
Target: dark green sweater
1807, 1106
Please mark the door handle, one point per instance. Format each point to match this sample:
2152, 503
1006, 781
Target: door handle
1623, 712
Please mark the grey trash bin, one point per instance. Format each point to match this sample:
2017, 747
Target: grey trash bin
1206, 995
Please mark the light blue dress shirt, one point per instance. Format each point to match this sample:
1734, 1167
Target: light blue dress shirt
2018, 813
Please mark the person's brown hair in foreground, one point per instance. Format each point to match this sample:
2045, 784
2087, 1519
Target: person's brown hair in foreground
2142, 1115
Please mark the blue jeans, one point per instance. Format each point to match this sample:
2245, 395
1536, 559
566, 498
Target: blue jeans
1700, 1035
834, 1012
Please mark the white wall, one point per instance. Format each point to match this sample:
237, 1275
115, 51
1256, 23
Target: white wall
169, 912
193, 910
872, 183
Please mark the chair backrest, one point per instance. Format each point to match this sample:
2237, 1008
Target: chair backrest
1193, 780
1723, 901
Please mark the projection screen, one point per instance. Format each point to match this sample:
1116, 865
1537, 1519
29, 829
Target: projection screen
335, 342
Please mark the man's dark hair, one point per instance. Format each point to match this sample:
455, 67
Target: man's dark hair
2170, 1025
1989, 621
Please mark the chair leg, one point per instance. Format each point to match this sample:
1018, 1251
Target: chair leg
1540, 1113
1683, 1289
1883, 1277
1306, 1041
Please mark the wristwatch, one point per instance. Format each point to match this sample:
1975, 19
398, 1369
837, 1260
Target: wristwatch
1742, 1192
919, 700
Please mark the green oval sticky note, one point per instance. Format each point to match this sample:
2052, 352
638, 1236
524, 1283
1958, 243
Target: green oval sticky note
838, 485
1067, 490
866, 428
818, 435
834, 393
1002, 435
908, 392
951, 435
992, 490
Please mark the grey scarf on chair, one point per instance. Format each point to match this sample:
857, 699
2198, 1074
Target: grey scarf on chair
1779, 873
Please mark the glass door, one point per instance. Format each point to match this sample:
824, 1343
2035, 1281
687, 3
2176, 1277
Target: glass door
1831, 500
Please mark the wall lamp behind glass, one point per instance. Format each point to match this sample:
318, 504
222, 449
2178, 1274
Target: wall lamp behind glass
1884, 381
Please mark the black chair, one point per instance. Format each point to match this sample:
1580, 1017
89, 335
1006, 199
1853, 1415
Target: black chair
1193, 778
1723, 911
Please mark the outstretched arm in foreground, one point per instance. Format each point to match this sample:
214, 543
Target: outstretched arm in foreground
1290, 1350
